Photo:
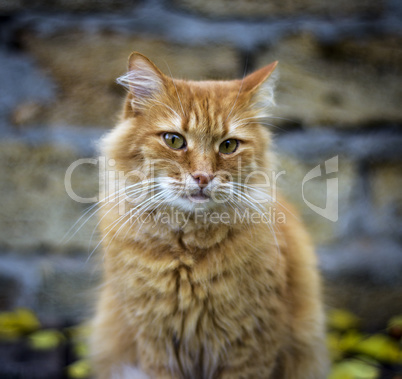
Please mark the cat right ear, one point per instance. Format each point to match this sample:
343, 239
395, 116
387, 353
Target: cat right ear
143, 80
261, 85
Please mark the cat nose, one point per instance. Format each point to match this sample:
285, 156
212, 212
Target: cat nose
202, 179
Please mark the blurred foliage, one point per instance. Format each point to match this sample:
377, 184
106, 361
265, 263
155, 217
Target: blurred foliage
45, 339
355, 354
353, 369
340, 319
80, 369
18, 323
22, 327
359, 355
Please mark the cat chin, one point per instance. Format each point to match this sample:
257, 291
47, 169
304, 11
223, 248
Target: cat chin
192, 205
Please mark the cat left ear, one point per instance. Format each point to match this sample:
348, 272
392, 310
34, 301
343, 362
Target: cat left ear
261, 85
143, 79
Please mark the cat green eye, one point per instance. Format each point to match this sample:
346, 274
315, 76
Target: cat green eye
174, 141
229, 146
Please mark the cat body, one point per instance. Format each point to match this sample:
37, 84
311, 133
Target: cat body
198, 284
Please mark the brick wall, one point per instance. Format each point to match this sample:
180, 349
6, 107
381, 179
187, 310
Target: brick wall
340, 94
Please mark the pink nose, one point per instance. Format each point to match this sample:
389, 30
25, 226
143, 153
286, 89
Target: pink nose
202, 179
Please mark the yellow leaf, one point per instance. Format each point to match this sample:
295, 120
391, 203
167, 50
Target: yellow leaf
340, 343
9, 332
365, 358
380, 347
79, 369
341, 319
349, 340
81, 349
338, 371
79, 335
14, 324
45, 339
354, 369
26, 320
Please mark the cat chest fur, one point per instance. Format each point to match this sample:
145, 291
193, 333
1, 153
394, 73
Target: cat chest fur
195, 311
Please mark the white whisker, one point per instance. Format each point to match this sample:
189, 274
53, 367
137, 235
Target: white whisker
96, 211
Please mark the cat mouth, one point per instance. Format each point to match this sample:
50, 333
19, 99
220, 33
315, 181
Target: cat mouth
199, 197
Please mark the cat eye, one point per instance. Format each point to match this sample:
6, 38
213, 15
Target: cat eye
174, 141
229, 146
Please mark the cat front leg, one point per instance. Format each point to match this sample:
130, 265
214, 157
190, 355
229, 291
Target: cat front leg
112, 343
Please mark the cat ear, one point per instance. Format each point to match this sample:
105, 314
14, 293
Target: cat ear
143, 79
261, 86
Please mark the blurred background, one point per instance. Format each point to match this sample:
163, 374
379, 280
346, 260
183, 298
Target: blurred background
339, 95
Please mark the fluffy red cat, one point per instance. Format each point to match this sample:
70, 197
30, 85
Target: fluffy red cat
201, 278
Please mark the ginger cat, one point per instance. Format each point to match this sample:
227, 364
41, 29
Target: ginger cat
200, 281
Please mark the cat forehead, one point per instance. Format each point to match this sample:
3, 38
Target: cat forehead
206, 107
218, 93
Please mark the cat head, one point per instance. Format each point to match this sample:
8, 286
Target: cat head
193, 143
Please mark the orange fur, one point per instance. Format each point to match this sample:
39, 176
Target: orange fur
191, 297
